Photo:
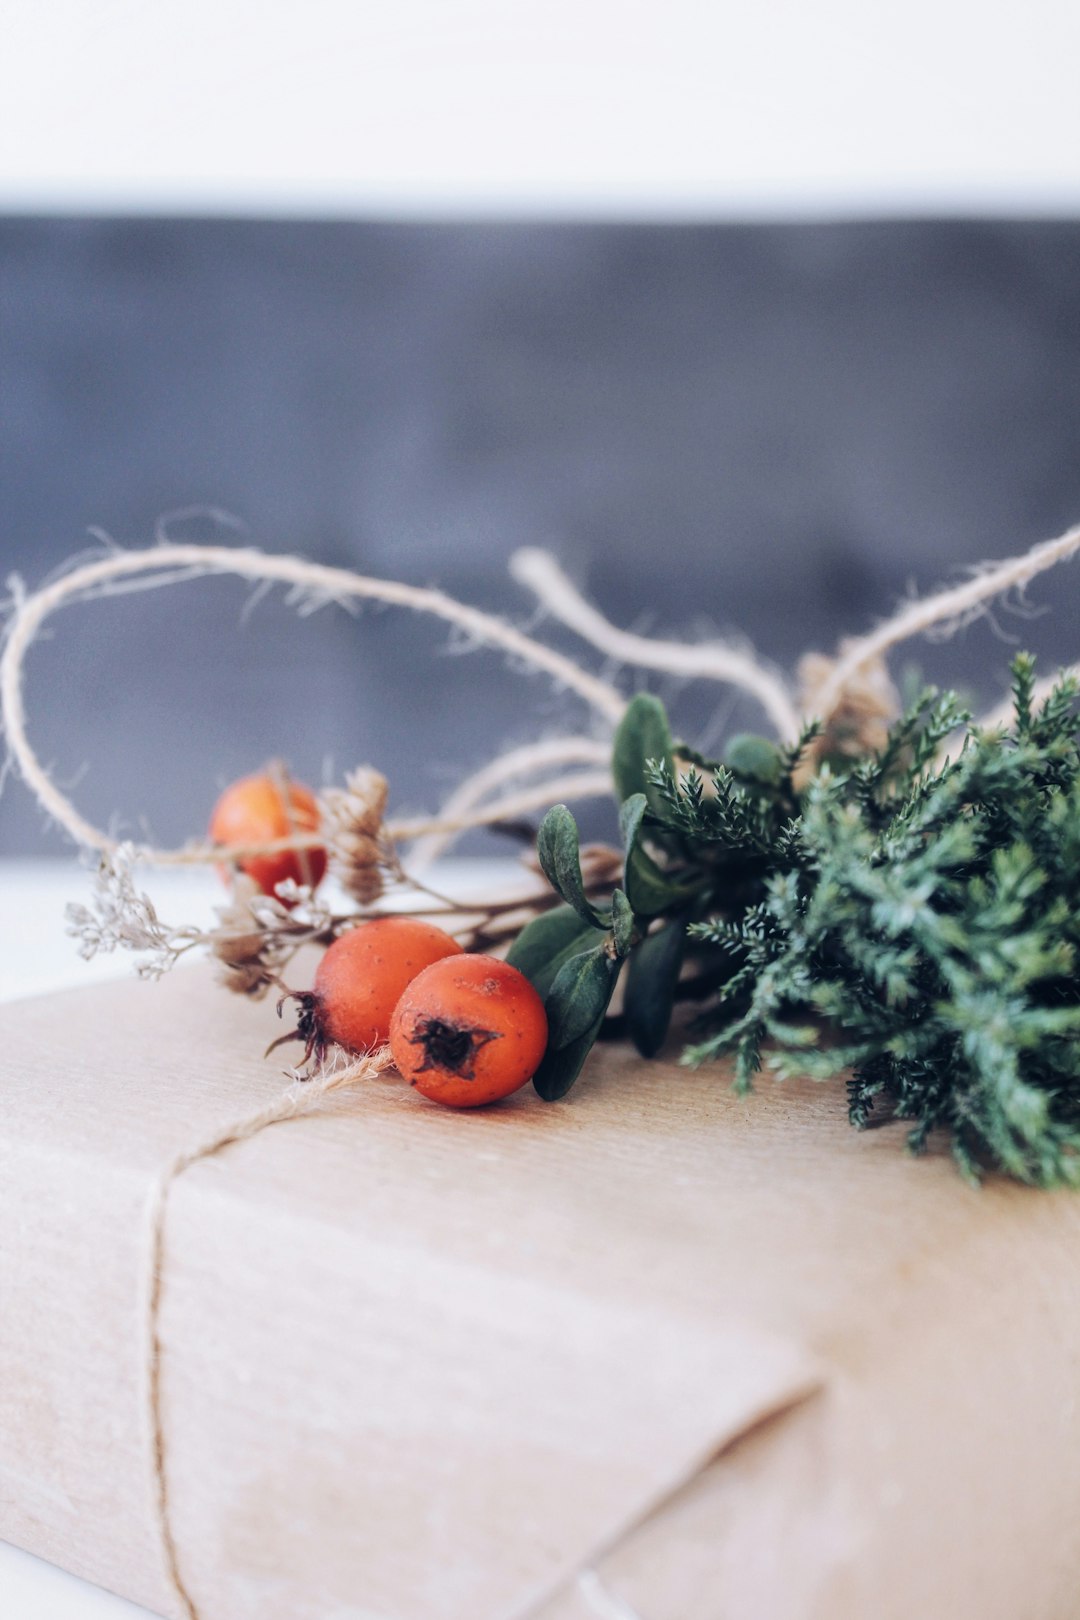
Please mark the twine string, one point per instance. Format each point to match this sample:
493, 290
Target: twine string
294, 1102
310, 584
952, 607
464, 807
701, 660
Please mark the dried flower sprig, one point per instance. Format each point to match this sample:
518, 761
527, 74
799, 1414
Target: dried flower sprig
257, 935
122, 917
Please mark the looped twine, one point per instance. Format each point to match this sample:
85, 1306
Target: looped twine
851, 695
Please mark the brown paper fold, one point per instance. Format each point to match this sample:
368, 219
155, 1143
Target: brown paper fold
654, 1352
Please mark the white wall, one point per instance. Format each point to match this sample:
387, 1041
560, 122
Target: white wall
670, 108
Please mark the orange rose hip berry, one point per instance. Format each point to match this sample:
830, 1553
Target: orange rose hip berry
260, 809
360, 980
468, 1030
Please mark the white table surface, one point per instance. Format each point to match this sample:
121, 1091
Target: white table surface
36, 957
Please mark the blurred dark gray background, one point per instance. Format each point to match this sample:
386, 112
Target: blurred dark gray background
775, 430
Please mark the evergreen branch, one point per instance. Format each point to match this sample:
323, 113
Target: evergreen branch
909, 922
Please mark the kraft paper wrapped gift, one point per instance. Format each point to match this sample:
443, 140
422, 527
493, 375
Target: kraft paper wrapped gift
654, 1352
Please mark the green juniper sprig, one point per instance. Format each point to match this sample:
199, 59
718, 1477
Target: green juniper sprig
910, 920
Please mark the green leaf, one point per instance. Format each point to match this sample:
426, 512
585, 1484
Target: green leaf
631, 814
754, 759
560, 1069
643, 734
562, 1064
548, 941
623, 923
559, 853
649, 891
648, 888
650, 986
579, 995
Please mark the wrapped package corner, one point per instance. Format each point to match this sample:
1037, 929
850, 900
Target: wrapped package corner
654, 1352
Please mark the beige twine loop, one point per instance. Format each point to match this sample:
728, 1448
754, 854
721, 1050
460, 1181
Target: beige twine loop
311, 584
948, 609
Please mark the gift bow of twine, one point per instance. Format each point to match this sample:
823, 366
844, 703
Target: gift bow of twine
850, 694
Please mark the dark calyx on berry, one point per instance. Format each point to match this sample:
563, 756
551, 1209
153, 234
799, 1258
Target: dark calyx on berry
309, 1028
452, 1047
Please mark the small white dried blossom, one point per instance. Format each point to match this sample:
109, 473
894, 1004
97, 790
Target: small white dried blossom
122, 917
294, 904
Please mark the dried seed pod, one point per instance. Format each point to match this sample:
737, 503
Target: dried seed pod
858, 723
360, 849
248, 949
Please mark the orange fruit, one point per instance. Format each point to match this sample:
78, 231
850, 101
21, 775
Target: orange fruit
360, 980
468, 1030
260, 809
